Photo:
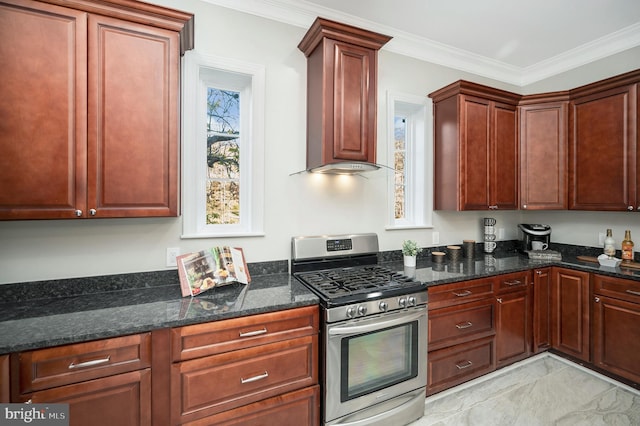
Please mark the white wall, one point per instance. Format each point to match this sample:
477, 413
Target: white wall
301, 204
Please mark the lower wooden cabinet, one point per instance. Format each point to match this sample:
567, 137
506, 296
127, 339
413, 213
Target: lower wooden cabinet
105, 382
248, 370
541, 310
570, 312
513, 318
616, 326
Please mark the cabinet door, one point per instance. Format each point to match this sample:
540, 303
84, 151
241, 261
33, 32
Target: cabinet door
123, 399
4, 379
133, 133
503, 160
513, 335
354, 103
541, 309
475, 121
570, 312
43, 108
616, 336
543, 156
602, 151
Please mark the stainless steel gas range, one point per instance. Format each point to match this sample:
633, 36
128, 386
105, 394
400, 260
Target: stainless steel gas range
374, 363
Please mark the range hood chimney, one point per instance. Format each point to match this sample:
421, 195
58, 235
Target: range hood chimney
342, 72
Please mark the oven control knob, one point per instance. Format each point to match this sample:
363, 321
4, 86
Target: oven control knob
362, 310
351, 311
383, 306
402, 302
412, 301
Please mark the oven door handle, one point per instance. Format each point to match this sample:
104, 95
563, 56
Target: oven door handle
375, 325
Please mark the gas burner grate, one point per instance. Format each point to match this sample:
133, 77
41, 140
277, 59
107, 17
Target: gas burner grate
336, 283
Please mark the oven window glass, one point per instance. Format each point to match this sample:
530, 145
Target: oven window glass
378, 359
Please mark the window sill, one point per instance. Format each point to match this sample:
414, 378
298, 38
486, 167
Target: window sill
223, 235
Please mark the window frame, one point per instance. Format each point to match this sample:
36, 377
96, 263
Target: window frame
199, 72
418, 151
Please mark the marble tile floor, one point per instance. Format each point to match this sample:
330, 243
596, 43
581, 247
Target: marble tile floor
540, 391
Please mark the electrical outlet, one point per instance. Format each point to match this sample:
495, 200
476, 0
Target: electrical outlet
501, 233
601, 237
172, 253
435, 237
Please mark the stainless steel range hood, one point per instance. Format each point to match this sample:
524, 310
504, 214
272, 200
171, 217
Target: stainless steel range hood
345, 168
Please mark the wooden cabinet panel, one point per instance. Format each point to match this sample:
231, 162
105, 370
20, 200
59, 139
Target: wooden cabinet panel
570, 312
462, 292
212, 338
51, 367
541, 309
513, 327
299, 407
243, 377
616, 336
457, 364
602, 150
460, 323
504, 170
5, 384
134, 97
123, 399
543, 155
44, 125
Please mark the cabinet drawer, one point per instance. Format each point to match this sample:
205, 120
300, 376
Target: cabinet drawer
452, 366
461, 323
217, 337
61, 365
462, 292
512, 282
619, 288
210, 385
301, 407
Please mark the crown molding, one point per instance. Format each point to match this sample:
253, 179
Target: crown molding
300, 13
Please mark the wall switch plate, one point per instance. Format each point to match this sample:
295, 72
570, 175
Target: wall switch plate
172, 253
601, 237
435, 237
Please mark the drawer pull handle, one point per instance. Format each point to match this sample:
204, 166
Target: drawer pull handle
467, 365
463, 294
635, 293
89, 363
254, 378
253, 333
513, 282
464, 325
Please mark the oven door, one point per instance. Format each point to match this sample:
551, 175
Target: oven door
374, 359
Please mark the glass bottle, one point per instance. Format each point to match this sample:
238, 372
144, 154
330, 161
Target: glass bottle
609, 244
627, 247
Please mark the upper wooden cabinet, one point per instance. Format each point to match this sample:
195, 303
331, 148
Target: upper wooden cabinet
341, 93
543, 121
475, 148
603, 147
90, 109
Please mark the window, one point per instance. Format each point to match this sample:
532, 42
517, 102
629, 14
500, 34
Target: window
410, 186
223, 155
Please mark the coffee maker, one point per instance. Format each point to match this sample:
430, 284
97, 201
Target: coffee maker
530, 232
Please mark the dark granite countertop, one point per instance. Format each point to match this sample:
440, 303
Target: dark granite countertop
50, 313
154, 304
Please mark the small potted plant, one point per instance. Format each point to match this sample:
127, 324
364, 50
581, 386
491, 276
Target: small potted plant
410, 250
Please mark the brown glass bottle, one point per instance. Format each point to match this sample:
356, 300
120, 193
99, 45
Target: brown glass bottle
627, 247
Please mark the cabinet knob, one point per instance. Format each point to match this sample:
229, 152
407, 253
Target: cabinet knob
499, 299
539, 272
630, 208
493, 207
92, 212
78, 213
596, 299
